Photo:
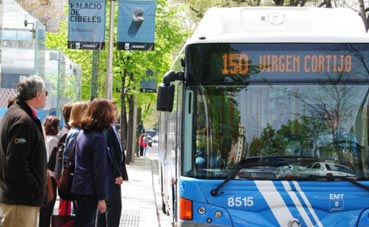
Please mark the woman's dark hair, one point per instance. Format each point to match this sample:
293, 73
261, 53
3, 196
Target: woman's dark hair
99, 115
66, 111
51, 125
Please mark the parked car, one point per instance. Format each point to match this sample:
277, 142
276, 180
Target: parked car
155, 139
150, 132
330, 169
149, 140
260, 167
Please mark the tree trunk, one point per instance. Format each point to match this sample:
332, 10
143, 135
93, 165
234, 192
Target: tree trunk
130, 148
123, 114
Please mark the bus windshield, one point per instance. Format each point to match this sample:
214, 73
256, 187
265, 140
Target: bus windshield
278, 111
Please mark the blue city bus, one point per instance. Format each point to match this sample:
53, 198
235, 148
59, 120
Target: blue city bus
264, 121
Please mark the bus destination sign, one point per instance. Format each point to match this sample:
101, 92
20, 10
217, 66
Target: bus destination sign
238, 64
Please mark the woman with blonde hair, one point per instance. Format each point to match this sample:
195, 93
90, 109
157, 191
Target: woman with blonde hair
76, 115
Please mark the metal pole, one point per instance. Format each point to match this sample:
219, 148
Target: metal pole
109, 76
95, 71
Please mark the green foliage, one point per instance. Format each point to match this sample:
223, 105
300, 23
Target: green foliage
169, 37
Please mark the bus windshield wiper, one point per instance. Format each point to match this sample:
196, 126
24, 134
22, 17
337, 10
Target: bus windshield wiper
214, 192
232, 175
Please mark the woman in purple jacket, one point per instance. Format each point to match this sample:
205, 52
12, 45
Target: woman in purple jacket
89, 181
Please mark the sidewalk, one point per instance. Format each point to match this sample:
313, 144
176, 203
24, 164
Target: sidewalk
141, 198
141, 195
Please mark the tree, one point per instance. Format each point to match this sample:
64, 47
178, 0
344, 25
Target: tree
130, 66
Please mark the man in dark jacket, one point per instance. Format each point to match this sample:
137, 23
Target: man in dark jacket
23, 156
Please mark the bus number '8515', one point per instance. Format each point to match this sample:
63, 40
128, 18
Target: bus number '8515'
240, 201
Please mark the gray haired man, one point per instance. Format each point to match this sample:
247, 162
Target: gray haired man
23, 156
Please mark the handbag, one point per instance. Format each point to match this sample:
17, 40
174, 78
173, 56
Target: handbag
65, 183
62, 221
65, 186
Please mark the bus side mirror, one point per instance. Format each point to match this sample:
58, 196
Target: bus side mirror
165, 97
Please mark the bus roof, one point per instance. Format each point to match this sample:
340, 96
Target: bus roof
279, 24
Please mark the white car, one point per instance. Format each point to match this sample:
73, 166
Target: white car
149, 140
155, 139
331, 169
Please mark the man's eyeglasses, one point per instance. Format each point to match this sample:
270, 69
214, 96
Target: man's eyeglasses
46, 92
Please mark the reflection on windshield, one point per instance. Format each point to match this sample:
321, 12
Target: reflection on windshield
284, 131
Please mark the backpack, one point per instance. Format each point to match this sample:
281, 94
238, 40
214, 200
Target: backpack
56, 157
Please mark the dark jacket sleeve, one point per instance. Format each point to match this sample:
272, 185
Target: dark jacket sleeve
115, 152
125, 173
116, 155
99, 166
